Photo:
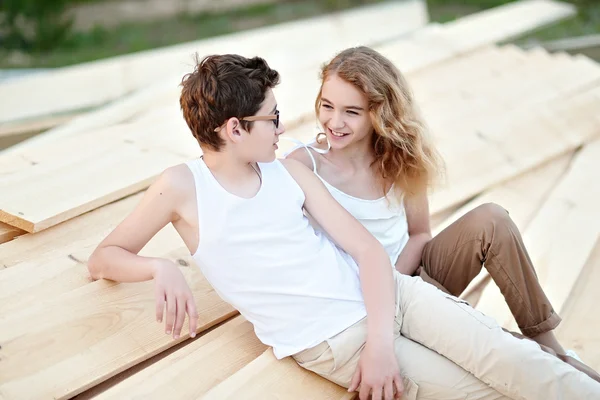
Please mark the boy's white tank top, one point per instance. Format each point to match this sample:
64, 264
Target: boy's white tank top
262, 256
385, 217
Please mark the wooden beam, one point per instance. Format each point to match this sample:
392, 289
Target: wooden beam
268, 377
194, 369
579, 327
53, 260
8, 232
37, 125
88, 172
503, 149
509, 21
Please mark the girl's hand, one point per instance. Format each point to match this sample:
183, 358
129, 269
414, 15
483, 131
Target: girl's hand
378, 374
171, 288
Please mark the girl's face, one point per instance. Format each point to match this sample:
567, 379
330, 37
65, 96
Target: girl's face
344, 113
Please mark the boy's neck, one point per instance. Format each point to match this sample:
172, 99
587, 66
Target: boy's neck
228, 166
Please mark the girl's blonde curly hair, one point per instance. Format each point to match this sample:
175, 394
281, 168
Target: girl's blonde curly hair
404, 153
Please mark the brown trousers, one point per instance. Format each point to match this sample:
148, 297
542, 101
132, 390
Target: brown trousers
487, 237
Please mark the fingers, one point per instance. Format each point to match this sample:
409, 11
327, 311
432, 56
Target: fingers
399, 385
180, 316
193, 315
160, 305
388, 389
171, 310
364, 393
355, 380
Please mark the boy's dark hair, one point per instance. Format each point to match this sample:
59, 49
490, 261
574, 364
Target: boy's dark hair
222, 87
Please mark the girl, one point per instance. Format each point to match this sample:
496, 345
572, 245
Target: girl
376, 159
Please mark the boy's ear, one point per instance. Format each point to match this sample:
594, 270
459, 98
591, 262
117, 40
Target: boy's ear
234, 129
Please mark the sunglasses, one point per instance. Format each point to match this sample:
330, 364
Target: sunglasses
274, 118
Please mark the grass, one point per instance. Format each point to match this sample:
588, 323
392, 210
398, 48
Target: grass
100, 43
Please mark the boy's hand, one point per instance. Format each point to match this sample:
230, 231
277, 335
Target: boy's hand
171, 288
378, 374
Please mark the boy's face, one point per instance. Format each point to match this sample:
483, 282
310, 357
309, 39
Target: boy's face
260, 144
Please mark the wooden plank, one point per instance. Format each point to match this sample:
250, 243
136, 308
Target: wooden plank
541, 79
283, 379
92, 173
116, 112
573, 44
490, 26
502, 149
53, 260
561, 237
195, 368
85, 85
65, 345
508, 22
8, 232
521, 196
37, 125
580, 325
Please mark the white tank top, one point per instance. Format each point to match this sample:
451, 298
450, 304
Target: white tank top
385, 217
262, 256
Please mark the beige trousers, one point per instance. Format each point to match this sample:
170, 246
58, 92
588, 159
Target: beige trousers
448, 350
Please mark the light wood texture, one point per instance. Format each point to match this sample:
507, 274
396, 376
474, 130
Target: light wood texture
86, 85
80, 338
38, 125
54, 260
580, 325
116, 112
267, 377
503, 149
508, 22
561, 237
95, 173
521, 196
8, 232
194, 369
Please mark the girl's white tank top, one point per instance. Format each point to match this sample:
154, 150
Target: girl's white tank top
262, 256
385, 217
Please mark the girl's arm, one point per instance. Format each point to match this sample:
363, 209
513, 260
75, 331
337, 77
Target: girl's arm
116, 257
419, 231
378, 368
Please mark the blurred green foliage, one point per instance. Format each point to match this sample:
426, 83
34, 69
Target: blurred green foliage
33, 24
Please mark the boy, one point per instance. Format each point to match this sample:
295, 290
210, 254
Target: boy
240, 213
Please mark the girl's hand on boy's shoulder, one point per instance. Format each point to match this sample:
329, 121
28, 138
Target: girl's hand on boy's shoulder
175, 296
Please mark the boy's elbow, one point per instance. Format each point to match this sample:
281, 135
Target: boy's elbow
94, 266
372, 250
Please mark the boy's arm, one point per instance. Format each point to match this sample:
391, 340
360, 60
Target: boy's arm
374, 268
116, 257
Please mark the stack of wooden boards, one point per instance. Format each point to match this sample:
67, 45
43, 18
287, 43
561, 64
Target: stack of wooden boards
520, 128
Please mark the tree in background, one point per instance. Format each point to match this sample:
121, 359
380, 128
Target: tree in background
33, 25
